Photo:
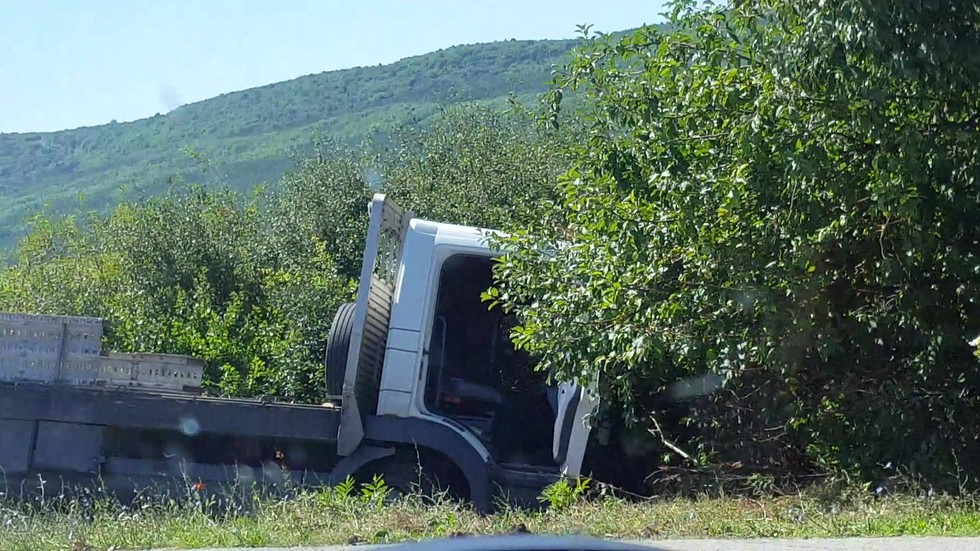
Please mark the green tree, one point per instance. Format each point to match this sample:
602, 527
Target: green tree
474, 166
194, 272
773, 220
323, 202
62, 266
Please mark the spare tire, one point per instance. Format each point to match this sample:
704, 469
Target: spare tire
338, 343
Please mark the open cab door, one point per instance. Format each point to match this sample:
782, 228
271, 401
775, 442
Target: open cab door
572, 426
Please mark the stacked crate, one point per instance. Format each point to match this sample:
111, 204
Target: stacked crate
68, 350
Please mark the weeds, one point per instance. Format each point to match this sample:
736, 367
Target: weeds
562, 494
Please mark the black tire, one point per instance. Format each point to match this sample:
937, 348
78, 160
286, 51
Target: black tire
338, 343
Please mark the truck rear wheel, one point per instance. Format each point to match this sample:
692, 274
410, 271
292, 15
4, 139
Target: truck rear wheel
338, 343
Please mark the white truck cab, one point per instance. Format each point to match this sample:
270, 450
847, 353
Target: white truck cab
424, 348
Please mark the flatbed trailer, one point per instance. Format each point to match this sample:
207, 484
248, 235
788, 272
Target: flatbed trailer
122, 437
415, 391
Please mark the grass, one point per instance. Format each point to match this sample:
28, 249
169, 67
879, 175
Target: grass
346, 515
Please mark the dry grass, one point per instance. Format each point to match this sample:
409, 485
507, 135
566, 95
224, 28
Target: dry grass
343, 515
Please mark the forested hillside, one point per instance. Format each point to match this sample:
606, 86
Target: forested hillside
248, 136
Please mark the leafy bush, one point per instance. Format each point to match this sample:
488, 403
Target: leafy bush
773, 221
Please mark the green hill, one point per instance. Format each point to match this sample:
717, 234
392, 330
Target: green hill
248, 135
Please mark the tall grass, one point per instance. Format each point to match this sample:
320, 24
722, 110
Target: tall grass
84, 520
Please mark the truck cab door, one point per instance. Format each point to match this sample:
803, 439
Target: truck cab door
572, 427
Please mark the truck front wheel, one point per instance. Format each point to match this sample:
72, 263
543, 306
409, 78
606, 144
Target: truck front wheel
338, 343
427, 475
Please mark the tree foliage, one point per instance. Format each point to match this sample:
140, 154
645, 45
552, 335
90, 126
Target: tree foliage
473, 166
773, 221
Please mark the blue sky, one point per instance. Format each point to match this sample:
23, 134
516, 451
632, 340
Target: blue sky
71, 63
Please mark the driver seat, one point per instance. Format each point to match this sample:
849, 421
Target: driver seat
468, 380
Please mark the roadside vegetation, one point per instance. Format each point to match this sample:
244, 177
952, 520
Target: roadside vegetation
351, 515
769, 258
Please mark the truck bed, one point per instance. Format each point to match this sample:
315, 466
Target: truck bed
132, 436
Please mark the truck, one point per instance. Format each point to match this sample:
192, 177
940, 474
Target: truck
423, 387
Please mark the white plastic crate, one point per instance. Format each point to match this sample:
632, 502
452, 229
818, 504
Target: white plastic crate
134, 370
68, 350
